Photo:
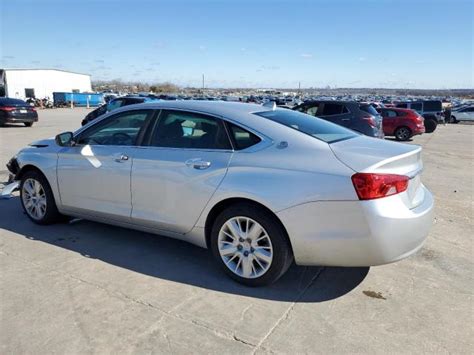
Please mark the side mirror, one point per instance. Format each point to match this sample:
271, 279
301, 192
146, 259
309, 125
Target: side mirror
65, 139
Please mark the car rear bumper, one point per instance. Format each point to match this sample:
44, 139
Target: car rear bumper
357, 233
19, 119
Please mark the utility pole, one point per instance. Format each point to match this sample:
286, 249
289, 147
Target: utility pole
203, 82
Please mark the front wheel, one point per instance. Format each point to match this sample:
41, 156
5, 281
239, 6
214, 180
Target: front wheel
28, 124
250, 245
37, 199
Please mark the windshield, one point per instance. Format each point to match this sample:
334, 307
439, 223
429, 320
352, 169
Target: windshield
313, 126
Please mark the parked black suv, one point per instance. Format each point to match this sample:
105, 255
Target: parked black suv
113, 105
431, 110
361, 117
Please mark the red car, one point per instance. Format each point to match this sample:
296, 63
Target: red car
401, 122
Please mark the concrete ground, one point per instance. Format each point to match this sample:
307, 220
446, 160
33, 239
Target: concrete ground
91, 288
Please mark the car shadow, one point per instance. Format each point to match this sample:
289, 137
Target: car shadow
13, 125
176, 260
393, 139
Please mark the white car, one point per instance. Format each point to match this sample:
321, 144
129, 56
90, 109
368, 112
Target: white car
463, 114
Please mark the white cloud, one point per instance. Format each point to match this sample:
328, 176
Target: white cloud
307, 55
362, 59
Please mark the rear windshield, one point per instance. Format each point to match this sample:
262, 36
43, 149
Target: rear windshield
369, 109
12, 102
313, 126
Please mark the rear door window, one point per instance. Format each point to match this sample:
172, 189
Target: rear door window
332, 109
389, 114
242, 138
417, 106
312, 110
181, 129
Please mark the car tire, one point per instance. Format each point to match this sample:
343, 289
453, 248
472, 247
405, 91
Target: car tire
37, 199
430, 125
453, 119
257, 258
28, 124
403, 133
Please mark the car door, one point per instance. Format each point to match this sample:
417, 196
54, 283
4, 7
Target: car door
389, 121
467, 114
94, 174
337, 113
179, 169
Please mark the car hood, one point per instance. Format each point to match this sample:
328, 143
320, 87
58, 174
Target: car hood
42, 143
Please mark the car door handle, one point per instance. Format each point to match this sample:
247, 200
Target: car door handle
120, 158
198, 164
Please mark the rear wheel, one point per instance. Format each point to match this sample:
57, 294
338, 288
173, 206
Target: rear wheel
28, 124
250, 245
430, 125
453, 119
37, 199
403, 133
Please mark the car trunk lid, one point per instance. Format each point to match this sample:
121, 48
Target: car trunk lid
370, 155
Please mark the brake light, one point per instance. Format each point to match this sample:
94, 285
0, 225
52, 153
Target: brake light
370, 120
7, 108
32, 109
372, 186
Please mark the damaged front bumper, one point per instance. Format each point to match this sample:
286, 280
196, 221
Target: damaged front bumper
12, 184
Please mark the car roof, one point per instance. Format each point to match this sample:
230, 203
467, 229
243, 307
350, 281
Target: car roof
219, 108
235, 111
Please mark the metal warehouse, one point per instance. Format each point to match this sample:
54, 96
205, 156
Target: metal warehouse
41, 83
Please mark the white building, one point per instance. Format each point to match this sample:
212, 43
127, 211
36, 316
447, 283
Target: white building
41, 83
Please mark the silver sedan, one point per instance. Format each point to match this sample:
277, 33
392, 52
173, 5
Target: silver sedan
259, 186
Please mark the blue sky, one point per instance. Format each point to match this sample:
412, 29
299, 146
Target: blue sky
394, 44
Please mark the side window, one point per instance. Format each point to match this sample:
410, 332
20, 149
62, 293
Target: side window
345, 109
312, 110
417, 106
181, 129
390, 114
402, 105
332, 109
120, 129
242, 138
114, 104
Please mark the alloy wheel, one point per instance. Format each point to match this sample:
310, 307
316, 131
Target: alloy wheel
403, 134
245, 247
34, 198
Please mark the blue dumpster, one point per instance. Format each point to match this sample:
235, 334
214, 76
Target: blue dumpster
79, 99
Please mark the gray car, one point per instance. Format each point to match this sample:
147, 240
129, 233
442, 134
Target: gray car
359, 116
259, 186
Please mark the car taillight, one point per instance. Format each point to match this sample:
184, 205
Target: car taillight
7, 108
371, 186
32, 109
370, 120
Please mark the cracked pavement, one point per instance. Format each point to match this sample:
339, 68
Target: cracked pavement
90, 288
